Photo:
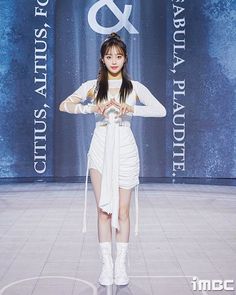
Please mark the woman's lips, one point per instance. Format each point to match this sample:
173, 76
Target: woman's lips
114, 68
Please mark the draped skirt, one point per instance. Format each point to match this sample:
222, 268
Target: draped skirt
128, 155
114, 153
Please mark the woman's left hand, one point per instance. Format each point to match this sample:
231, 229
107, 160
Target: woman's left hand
124, 107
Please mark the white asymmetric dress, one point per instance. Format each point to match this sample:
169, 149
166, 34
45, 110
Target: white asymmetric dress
113, 150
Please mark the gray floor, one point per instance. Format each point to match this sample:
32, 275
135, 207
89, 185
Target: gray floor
186, 231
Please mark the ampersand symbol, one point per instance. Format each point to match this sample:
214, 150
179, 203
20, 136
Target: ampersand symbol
122, 17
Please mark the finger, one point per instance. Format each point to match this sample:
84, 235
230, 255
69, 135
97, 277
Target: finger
106, 107
119, 114
127, 108
108, 103
116, 103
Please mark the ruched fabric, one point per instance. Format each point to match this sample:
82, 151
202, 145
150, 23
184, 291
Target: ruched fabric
114, 153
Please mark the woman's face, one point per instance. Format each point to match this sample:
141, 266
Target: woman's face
114, 60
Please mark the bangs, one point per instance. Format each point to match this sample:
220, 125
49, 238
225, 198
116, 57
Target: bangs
118, 49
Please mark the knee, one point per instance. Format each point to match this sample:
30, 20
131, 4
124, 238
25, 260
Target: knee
123, 214
103, 216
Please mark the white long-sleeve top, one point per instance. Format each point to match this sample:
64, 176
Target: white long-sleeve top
151, 108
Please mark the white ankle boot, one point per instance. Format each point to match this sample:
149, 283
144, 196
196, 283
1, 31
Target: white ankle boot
121, 277
106, 276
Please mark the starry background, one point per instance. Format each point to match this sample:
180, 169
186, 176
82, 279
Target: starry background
210, 72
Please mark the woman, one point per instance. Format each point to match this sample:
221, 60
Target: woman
113, 159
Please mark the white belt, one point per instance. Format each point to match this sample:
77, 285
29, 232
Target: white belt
105, 123
109, 200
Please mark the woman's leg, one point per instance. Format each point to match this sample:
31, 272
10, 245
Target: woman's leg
104, 219
104, 233
124, 219
122, 238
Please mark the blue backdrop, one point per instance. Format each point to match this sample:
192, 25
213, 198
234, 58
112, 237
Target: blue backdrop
38, 141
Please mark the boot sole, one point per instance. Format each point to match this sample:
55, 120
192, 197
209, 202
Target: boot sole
121, 283
106, 283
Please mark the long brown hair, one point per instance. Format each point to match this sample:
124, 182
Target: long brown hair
102, 81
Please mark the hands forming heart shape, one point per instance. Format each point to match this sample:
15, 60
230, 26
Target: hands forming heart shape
103, 108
